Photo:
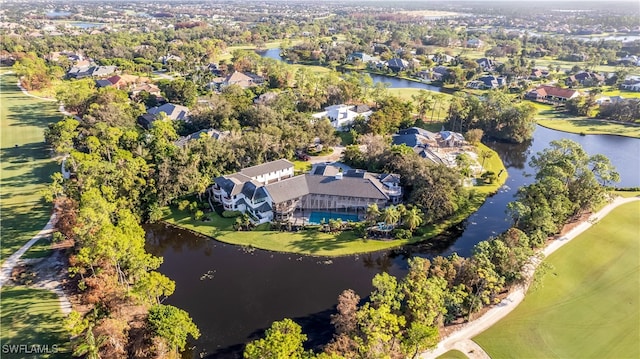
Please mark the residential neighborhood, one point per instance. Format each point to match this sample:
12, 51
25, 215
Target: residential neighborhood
308, 179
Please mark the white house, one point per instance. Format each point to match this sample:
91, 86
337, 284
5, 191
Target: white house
342, 116
269, 172
632, 86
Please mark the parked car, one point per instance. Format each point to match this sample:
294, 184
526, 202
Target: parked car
302, 156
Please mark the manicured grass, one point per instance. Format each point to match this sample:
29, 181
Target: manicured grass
40, 249
442, 107
32, 317
591, 127
627, 194
625, 94
301, 166
589, 305
494, 164
453, 354
549, 117
26, 165
310, 242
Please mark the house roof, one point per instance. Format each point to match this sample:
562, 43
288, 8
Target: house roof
397, 62
150, 88
209, 132
347, 186
103, 83
173, 111
114, 79
265, 168
556, 91
326, 170
238, 78
288, 189
417, 131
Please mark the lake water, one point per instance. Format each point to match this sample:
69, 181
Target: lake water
393, 82
87, 25
251, 289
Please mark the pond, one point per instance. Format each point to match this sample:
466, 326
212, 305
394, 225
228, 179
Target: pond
249, 289
393, 82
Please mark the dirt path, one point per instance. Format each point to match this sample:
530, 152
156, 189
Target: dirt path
460, 339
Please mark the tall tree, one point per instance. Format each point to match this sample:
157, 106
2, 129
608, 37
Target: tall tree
283, 340
173, 325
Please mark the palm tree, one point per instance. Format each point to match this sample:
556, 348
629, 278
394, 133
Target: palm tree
90, 346
412, 218
485, 155
437, 99
373, 212
391, 215
424, 102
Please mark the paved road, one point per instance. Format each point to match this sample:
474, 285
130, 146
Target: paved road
7, 266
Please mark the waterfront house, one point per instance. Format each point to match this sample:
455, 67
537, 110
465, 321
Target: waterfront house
546, 93
433, 146
270, 191
397, 64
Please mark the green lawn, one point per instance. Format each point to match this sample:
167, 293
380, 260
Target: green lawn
589, 126
26, 165
442, 107
310, 242
627, 194
554, 119
32, 317
494, 164
625, 94
453, 354
589, 305
301, 166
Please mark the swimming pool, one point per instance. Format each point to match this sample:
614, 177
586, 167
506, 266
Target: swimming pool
317, 217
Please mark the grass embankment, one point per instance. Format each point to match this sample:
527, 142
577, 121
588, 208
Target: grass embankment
554, 119
26, 166
589, 305
32, 317
453, 354
314, 242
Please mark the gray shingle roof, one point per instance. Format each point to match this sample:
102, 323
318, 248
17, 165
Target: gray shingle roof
268, 167
290, 188
326, 170
347, 186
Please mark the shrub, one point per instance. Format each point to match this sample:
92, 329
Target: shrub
57, 237
400, 233
198, 215
231, 214
183, 205
193, 207
489, 177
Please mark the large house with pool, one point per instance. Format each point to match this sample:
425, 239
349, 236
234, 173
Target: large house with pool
270, 192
